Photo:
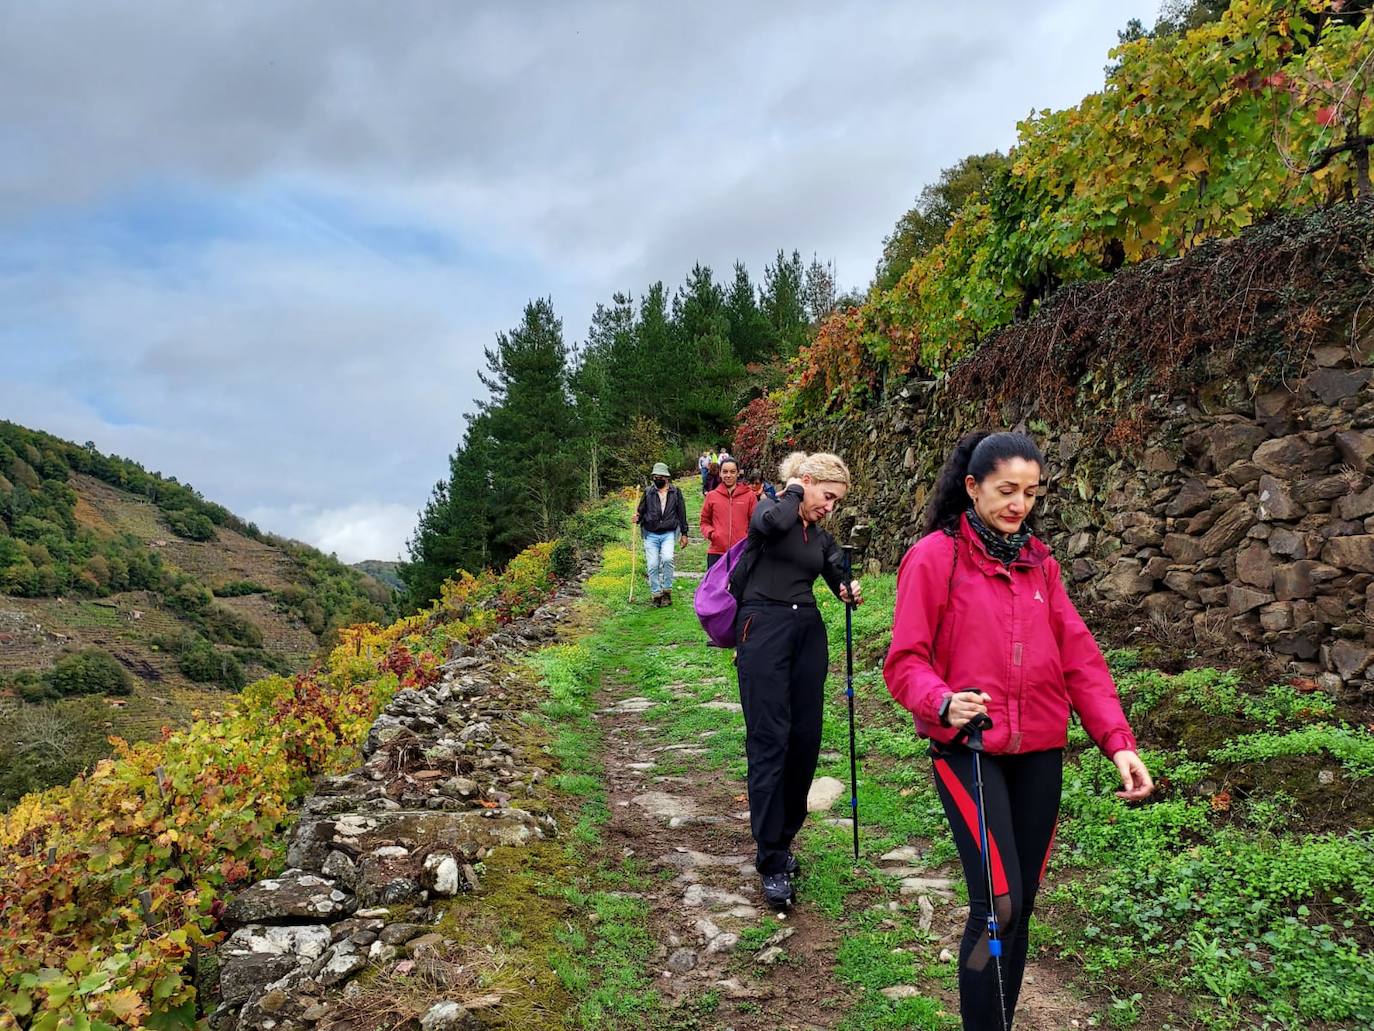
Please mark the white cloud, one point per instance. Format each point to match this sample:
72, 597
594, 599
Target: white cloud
362, 530
262, 246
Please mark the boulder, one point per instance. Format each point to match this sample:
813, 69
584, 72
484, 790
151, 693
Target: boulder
1321, 488
1126, 582
1240, 599
1276, 501
1184, 549
442, 875
1303, 642
1193, 496
1356, 448
1255, 566
1356, 506
1351, 658
1356, 552
1277, 616
257, 955
446, 1016
1287, 543
824, 792
294, 896
1292, 457
1228, 531
1235, 441
1334, 385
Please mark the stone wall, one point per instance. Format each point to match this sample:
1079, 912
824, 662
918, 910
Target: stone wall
377, 851
1240, 525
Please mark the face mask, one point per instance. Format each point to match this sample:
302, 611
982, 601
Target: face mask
660, 481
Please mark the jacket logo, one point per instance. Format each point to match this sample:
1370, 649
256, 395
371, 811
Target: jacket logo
1037, 596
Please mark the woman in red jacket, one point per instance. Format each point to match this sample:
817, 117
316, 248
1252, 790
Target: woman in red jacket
983, 626
725, 513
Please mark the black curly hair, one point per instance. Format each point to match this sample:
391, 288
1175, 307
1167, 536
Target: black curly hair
976, 455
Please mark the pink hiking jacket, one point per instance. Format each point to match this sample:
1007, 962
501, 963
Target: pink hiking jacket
1012, 634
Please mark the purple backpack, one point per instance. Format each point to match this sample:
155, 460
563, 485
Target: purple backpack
714, 604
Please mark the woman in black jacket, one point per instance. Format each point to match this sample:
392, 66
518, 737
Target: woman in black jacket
782, 655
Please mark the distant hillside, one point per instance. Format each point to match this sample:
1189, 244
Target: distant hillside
127, 601
388, 573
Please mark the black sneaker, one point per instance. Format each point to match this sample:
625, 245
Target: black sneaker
792, 867
778, 891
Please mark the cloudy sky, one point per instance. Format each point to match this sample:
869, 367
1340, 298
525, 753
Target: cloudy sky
260, 246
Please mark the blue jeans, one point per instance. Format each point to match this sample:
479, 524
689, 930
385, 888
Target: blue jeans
658, 560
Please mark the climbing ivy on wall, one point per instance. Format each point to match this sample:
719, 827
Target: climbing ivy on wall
1194, 136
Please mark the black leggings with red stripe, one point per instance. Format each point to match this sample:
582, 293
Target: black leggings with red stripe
1021, 796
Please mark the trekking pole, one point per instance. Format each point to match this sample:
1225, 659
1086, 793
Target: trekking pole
974, 730
633, 556
849, 692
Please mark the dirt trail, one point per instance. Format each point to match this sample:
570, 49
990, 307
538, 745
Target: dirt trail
692, 832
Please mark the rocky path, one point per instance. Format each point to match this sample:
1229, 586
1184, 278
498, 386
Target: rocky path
714, 932
678, 807
870, 945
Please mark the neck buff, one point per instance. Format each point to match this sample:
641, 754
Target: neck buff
1003, 549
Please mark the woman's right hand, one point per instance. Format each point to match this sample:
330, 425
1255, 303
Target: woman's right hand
964, 705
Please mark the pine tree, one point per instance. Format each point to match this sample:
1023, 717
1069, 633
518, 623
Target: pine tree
782, 304
709, 396
534, 478
819, 289
749, 332
455, 527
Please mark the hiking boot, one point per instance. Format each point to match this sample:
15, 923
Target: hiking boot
657, 600
778, 891
668, 597
792, 868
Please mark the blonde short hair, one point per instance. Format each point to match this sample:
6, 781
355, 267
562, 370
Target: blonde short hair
822, 467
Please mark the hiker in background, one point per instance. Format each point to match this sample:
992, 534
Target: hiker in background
761, 487
725, 513
712, 478
703, 467
662, 519
782, 656
983, 627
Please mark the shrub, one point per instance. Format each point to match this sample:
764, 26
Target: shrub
89, 671
191, 525
563, 559
203, 663
239, 588
226, 626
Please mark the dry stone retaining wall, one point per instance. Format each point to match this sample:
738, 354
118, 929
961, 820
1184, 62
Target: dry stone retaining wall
1243, 524
377, 851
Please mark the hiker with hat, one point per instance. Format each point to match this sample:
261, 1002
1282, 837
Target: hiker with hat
990, 656
782, 655
662, 519
725, 513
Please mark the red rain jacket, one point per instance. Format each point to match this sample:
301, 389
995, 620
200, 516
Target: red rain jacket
725, 517
1011, 633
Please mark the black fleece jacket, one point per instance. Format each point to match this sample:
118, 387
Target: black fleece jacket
790, 554
663, 517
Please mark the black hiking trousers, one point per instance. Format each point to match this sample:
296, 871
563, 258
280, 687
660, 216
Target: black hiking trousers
782, 658
1021, 797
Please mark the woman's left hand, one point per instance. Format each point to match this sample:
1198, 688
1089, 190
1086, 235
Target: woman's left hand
1135, 778
852, 592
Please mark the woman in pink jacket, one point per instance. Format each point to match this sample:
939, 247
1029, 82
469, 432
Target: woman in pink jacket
983, 626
